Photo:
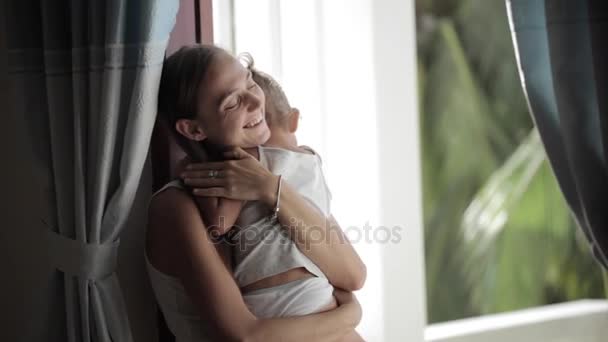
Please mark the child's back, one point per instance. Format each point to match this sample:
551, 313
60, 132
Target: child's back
275, 277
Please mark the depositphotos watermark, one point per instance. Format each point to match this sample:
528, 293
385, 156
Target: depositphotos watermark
269, 231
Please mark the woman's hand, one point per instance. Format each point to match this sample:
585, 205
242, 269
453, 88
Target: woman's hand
240, 177
348, 301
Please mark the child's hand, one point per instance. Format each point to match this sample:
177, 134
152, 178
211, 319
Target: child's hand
348, 301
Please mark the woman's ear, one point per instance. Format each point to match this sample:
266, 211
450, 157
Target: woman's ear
294, 120
190, 129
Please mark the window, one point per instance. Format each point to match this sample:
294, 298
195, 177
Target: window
497, 228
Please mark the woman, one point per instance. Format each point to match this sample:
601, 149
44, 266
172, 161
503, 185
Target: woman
206, 95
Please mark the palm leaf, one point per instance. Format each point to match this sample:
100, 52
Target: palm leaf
458, 155
520, 245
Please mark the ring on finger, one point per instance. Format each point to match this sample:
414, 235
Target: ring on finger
213, 173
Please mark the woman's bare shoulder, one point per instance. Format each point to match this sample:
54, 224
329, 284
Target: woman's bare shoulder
169, 216
173, 208
169, 198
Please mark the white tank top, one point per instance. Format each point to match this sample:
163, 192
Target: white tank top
181, 315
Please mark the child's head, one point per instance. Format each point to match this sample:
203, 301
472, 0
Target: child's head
279, 113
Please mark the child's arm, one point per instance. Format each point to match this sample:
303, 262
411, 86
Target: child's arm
219, 214
320, 238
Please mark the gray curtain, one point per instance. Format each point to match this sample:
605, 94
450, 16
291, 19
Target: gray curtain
562, 51
85, 77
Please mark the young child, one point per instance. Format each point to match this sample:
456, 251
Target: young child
275, 277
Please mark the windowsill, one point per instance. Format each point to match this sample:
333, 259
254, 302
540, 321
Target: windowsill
580, 321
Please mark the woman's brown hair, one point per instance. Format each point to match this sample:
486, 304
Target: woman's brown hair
181, 78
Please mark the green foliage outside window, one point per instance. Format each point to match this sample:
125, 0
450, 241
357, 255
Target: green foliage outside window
498, 234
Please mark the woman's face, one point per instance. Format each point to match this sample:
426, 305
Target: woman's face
231, 105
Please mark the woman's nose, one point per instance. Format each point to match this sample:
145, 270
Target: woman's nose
253, 101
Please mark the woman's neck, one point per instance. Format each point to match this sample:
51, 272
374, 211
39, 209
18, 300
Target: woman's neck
214, 152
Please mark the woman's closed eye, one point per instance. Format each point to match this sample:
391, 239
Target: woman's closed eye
233, 103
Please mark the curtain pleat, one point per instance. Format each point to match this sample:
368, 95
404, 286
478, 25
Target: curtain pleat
100, 64
561, 52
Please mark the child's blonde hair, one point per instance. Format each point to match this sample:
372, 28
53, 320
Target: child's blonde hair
278, 108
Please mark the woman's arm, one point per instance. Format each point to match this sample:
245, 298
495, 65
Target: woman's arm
219, 214
317, 236
320, 238
214, 291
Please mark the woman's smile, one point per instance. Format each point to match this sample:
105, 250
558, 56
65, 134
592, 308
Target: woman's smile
255, 122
